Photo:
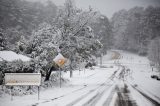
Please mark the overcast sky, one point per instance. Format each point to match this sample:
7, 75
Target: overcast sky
108, 7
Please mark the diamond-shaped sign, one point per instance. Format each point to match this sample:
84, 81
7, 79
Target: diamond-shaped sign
60, 60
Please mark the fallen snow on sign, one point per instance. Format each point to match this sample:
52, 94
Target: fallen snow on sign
11, 56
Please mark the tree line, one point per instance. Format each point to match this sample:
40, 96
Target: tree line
138, 30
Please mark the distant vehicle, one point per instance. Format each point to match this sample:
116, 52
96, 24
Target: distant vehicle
155, 76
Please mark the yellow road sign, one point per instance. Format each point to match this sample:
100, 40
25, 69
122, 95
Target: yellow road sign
60, 60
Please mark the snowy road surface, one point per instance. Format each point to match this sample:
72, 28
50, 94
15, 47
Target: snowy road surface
127, 83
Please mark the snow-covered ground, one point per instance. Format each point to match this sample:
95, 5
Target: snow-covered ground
141, 76
101, 86
82, 83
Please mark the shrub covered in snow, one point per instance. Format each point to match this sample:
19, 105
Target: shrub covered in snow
17, 66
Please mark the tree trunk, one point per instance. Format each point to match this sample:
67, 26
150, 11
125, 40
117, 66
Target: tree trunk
71, 70
49, 73
1, 78
71, 73
71, 65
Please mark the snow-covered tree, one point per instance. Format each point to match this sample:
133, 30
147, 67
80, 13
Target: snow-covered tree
133, 29
119, 23
103, 31
70, 32
77, 38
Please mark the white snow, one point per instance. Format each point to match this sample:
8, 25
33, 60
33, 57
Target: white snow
113, 101
105, 97
85, 84
141, 74
79, 85
140, 100
11, 56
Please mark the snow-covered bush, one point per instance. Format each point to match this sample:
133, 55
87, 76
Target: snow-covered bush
17, 66
54, 80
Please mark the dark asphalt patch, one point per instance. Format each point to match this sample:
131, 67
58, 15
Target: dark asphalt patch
123, 98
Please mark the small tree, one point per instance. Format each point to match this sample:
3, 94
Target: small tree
40, 47
76, 36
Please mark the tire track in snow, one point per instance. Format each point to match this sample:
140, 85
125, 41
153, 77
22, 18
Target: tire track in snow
123, 97
109, 98
77, 90
60, 96
89, 93
117, 56
98, 95
154, 102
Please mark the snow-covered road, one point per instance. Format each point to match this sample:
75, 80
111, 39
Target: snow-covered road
123, 80
95, 90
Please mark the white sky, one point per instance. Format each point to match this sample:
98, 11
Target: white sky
108, 7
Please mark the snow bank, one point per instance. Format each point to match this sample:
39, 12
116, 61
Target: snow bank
11, 56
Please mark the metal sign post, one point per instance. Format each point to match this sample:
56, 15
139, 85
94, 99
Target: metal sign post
60, 61
11, 93
60, 76
38, 92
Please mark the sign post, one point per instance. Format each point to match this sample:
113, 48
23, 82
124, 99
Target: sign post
38, 92
60, 76
11, 93
60, 61
27, 79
